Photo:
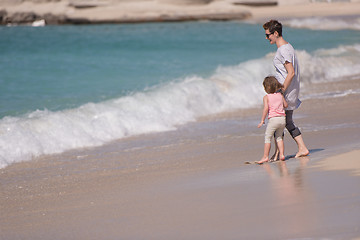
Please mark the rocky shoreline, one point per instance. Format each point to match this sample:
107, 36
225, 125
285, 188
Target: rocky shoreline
97, 12
56, 12
27, 18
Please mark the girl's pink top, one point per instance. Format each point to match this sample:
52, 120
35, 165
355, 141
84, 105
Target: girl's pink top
276, 105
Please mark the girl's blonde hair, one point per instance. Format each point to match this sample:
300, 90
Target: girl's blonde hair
271, 84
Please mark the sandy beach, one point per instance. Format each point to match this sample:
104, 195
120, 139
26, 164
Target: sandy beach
196, 189
200, 187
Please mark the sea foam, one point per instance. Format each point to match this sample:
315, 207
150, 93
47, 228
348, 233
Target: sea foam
161, 108
326, 65
325, 23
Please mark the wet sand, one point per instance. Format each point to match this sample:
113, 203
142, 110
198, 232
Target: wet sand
193, 183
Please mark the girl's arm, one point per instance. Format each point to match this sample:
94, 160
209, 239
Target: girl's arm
285, 104
265, 111
291, 73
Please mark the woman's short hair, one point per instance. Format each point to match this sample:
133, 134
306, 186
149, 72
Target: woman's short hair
272, 26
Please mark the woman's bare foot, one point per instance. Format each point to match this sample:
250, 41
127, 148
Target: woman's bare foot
263, 160
282, 157
302, 153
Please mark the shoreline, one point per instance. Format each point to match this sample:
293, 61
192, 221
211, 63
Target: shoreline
64, 12
181, 190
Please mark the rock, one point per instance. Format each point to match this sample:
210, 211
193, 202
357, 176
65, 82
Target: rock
3, 15
31, 17
83, 21
165, 18
42, 1
54, 19
80, 4
186, 2
22, 17
256, 3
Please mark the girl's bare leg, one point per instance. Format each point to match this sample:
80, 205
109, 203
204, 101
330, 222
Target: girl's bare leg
280, 145
265, 158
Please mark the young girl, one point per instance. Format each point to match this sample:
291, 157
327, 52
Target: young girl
274, 104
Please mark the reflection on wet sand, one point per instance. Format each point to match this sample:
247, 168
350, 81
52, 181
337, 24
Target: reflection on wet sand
293, 197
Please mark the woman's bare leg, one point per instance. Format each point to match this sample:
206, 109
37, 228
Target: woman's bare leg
303, 151
275, 156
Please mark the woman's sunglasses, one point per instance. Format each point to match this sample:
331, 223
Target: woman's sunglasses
268, 34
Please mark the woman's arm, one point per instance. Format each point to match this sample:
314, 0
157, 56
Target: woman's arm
291, 73
265, 111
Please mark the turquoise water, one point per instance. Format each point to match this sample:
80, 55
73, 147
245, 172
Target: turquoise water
65, 87
65, 66
59, 67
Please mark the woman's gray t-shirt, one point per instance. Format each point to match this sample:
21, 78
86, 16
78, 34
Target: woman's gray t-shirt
286, 53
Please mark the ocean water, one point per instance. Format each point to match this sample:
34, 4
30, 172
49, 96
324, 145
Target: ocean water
69, 87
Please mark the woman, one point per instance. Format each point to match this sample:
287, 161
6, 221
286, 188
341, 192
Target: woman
288, 74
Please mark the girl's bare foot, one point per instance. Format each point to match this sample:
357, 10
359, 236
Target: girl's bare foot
282, 158
275, 156
263, 160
